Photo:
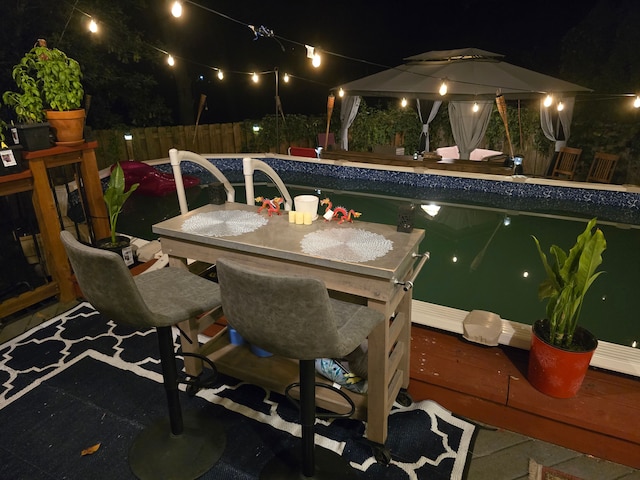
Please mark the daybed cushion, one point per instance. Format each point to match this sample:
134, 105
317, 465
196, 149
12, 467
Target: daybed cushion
479, 154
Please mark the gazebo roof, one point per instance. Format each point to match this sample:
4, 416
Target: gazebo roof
469, 73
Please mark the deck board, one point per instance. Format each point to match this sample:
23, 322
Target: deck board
468, 379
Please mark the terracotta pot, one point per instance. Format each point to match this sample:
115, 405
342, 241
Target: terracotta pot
68, 127
555, 371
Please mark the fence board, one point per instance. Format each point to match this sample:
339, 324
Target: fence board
204, 140
153, 143
216, 138
228, 145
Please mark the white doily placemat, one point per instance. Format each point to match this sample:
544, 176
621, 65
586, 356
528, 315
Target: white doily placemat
227, 223
346, 244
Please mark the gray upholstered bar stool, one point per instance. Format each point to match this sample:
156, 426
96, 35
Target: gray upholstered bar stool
294, 317
181, 446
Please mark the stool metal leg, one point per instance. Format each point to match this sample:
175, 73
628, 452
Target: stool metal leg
170, 376
183, 447
300, 462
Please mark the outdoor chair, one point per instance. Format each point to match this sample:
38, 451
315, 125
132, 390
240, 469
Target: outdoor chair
602, 167
180, 446
566, 162
293, 316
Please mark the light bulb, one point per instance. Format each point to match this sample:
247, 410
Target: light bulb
341, 93
548, 101
443, 89
636, 102
475, 107
171, 61
403, 102
176, 9
220, 75
286, 78
255, 77
316, 60
560, 106
93, 26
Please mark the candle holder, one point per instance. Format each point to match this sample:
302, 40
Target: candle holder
406, 216
217, 193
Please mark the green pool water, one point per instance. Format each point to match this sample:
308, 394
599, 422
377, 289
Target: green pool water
481, 258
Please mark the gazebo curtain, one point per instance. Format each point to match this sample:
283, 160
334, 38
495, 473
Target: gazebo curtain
468, 127
348, 111
435, 106
559, 132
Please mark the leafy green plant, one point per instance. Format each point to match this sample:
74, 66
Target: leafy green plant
115, 196
27, 102
46, 78
569, 277
60, 78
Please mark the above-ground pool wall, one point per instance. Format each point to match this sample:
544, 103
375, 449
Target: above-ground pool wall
607, 202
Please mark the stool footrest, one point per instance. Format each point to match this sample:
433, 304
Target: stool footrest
352, 406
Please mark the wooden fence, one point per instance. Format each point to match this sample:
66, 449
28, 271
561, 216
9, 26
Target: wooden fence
154, 142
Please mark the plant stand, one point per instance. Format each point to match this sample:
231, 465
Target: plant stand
36, 179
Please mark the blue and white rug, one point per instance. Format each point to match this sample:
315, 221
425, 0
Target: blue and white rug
78, 381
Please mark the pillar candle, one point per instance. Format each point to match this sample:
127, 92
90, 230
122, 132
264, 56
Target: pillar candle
308, 218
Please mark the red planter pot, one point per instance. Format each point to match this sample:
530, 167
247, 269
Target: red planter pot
555, 371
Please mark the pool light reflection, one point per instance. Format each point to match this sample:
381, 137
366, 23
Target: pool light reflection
431, 209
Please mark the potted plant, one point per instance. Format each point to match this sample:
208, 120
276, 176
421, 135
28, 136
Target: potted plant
560, 349
115, 197
32, 132
50, 85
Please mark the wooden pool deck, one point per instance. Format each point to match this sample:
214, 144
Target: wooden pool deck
489, 385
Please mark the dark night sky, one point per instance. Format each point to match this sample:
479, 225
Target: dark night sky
527, 32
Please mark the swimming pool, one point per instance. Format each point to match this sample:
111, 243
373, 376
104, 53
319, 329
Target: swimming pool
482, 254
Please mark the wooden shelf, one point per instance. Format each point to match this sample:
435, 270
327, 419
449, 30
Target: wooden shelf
36, 179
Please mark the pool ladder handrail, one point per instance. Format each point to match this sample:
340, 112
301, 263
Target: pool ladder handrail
249, 166
176, 156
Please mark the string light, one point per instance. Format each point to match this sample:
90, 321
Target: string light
403, 103
475, 107
443, 89
286, 78
255, 78
176, 9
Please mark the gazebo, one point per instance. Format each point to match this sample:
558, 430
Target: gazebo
473, 80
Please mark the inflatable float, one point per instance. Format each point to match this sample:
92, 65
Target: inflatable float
152, 182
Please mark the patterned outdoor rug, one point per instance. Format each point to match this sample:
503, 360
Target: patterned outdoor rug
78, 381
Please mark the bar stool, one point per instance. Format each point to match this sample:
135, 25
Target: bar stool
181, 446
294, 317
